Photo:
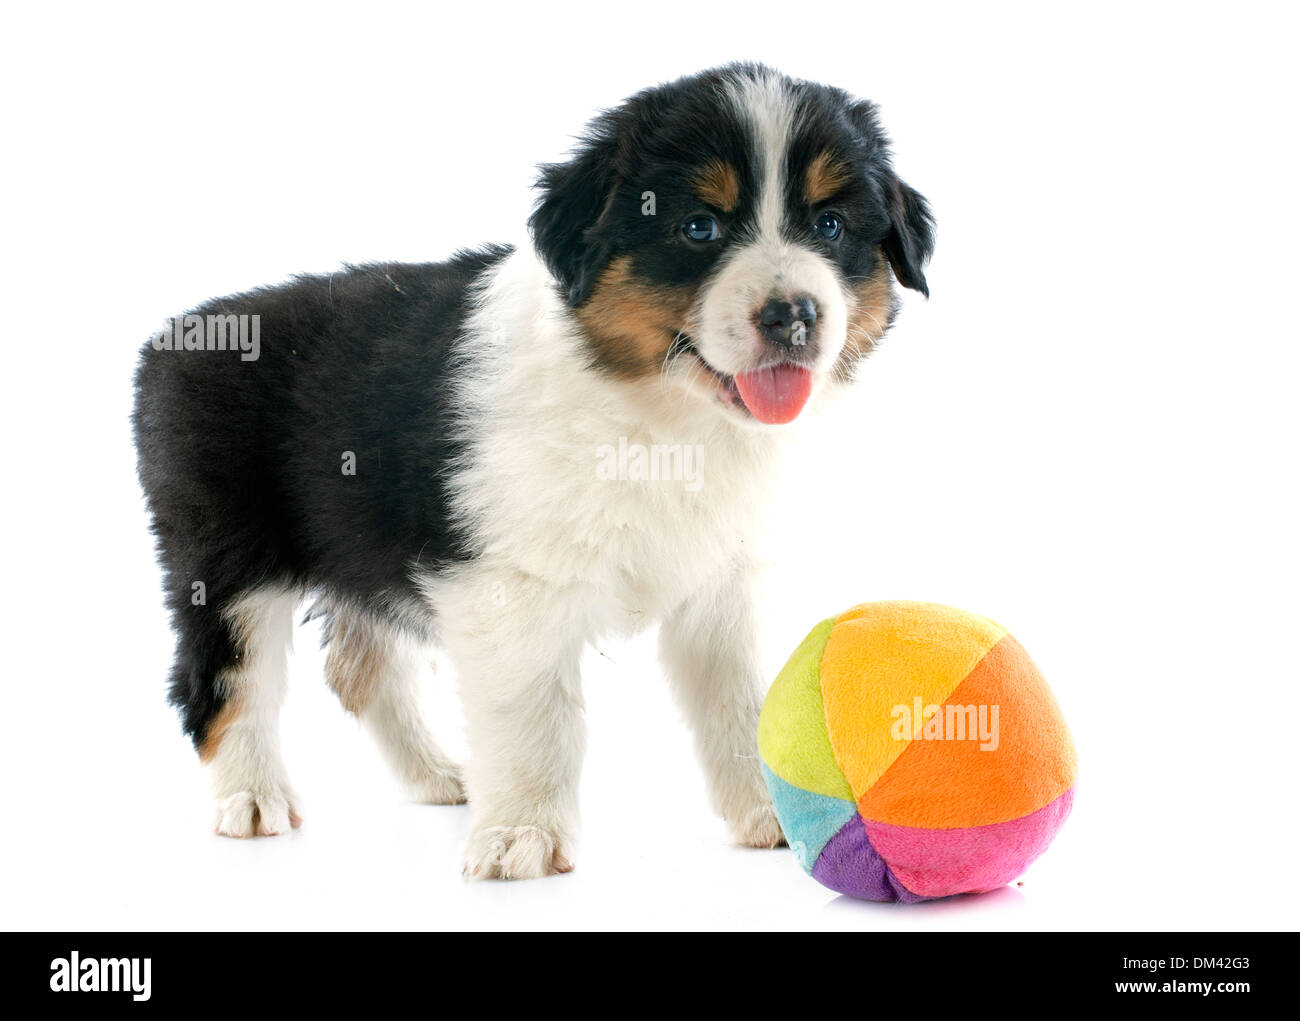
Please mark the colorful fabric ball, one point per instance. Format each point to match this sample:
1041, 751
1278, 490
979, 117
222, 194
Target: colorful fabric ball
914, 751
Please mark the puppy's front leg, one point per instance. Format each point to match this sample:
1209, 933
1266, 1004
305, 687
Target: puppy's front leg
709, 646
517, 653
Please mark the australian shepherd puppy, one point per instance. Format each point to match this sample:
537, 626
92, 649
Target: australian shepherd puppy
425, 451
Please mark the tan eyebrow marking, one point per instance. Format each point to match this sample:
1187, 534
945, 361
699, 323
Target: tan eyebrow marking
826, 175
718, 184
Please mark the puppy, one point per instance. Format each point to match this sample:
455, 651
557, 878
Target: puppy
472, 454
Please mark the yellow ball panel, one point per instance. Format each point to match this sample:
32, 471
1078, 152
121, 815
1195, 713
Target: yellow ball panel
883, 656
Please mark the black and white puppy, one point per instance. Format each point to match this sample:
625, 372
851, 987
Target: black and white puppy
425, 450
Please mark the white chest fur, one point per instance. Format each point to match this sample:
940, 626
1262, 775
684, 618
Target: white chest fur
637, 493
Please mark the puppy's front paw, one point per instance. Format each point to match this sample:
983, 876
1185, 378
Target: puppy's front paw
439, 787
256, 814
514, 852
757, 827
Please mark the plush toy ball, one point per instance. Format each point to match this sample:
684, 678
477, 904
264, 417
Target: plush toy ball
914, 751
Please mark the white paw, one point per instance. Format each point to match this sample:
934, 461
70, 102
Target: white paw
439, 787
256, 814
757, 827
514, 852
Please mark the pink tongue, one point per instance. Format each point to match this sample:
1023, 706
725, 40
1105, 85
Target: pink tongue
777, 394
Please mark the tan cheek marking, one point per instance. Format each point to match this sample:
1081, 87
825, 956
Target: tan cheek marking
355, 661
869, 316
718, 184
631, 324
826, 175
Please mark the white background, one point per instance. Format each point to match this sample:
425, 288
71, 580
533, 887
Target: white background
1087, 433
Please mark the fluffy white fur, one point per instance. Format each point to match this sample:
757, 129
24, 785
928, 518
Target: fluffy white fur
393, 718
567, 558
247, 772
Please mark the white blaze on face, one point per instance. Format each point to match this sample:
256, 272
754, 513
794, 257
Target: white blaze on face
762, 264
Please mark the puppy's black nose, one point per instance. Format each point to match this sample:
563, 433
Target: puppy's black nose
788, 323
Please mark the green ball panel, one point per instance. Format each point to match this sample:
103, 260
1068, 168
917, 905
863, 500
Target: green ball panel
792, 737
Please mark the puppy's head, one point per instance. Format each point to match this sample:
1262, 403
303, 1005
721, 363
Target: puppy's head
737, 233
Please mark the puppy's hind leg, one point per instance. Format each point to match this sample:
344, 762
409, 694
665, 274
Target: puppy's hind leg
376, 670
230, 680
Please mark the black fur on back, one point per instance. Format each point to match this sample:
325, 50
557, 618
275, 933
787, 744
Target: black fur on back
242, 461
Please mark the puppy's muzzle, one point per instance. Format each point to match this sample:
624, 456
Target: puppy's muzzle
788, 324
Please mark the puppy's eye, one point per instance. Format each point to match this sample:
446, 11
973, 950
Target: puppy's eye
829, 226
701, 228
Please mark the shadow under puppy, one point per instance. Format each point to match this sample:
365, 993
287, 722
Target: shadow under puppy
425, 450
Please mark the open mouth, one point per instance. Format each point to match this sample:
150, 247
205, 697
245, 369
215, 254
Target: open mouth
774, 394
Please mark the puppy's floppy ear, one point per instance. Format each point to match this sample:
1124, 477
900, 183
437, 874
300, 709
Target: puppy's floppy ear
910, 241
575, 202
